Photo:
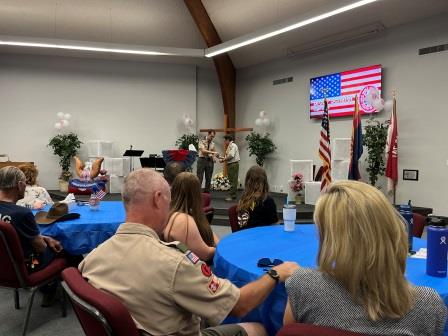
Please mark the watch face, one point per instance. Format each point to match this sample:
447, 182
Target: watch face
273, 274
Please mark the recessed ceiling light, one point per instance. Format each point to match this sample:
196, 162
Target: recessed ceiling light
98, 47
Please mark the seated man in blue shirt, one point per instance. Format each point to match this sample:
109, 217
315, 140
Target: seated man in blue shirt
38, 250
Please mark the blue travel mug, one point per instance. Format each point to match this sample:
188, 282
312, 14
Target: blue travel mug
436, 260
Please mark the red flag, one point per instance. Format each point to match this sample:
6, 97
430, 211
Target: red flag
392, 151
324, 149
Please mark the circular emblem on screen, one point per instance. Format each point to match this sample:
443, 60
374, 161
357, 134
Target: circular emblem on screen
365, 100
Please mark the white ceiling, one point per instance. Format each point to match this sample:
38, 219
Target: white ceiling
167, 23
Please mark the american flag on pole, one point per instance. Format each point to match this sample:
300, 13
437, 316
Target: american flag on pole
325, 149
341, 91
97, 192
100, 194
392, 151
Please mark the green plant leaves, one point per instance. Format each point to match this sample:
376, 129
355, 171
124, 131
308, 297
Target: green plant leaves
185, 140
260, 146
65, 146
374, 139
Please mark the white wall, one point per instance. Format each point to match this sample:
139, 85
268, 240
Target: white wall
124, 102
421, 84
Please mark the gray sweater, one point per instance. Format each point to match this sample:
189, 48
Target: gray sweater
318, 299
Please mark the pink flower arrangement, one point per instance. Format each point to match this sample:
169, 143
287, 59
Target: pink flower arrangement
296, 184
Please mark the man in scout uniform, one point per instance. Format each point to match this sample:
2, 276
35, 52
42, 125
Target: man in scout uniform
206, 160
232, 157
165, 286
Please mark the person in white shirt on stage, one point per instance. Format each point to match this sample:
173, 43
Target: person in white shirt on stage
232, 157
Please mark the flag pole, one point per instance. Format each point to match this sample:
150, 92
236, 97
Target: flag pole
394, 109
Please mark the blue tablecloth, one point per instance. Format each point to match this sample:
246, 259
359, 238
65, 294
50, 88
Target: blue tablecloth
237, 255
82, 235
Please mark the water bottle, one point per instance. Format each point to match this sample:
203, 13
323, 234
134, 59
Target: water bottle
406, 213
289, 217
436, 259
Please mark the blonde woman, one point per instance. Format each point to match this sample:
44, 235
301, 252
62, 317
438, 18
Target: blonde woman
256, 207
36, 197
187, 222
360, 285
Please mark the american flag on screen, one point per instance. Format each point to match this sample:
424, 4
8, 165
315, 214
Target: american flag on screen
341, 89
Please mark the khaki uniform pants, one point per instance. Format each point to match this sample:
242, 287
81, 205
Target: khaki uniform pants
232, 170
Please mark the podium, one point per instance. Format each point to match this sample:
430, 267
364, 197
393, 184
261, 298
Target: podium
132, 153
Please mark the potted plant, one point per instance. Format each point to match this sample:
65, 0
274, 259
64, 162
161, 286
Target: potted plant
374, 139
185, 140
260, 146
65, 146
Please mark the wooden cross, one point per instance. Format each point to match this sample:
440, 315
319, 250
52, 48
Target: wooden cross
227, 130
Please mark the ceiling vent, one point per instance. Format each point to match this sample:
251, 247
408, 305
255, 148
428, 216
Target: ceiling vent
434, 49
282, 80
337, 40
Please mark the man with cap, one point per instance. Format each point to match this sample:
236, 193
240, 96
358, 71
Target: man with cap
167, 289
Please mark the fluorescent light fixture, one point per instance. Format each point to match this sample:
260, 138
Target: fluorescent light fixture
278, 29
98, 47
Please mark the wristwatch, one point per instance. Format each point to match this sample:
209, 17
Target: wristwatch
274, 275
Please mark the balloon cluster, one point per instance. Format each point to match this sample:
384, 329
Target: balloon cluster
63, 120
188, 122
263, 120
374, 99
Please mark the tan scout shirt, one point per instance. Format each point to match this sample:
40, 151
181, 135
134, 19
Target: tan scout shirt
203, 143
165, 290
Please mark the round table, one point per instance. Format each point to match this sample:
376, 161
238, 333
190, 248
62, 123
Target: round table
82, 235
237, 255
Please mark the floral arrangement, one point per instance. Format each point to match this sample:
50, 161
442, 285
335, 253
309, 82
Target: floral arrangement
220, 182
296, 184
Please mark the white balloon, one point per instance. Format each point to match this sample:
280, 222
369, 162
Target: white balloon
67, 116
58, 125
262, 114
373, 95
64, 122
185, 116
388, 105
258, 122
60, 115
378, 104
190, 122
266, 122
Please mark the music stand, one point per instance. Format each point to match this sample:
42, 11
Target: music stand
132, 153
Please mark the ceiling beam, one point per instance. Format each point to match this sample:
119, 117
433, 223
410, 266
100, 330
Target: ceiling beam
223, 64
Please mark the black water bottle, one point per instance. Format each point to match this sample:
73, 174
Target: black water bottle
406, 212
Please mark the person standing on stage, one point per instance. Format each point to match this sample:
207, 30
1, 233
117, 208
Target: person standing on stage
206, 160
232, 157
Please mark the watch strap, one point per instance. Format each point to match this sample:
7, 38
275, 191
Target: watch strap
274, 275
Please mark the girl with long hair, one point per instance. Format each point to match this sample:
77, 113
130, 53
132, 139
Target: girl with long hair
35, 197
256, 207
187, 222
360, 284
